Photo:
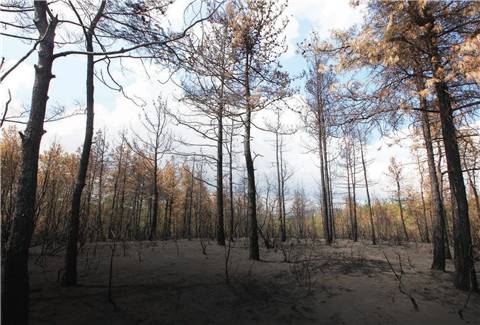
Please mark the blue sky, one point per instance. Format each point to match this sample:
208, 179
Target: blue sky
114, 112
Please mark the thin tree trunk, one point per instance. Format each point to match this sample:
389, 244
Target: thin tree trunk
88, 218
121, 231
254, 252
230, 181
323, 184
154, 216
169, 224
190, 202
70, 276
473, 186
282, 187
328, 186
370, 210
400, 207
115, 190
332, 211
283, 234
438, 223
100, 234
349, 198
165, 219
475, 195
448, 254
354, 196
220, 214
424, 210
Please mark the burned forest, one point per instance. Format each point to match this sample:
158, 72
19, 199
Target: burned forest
240, 162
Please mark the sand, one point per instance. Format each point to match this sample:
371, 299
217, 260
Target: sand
173, 282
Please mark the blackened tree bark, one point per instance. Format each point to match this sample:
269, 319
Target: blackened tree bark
255, 30
473, 186
15, 288
190, 200
465, 277
351, 186
154, 217
328, 181
424, 209
349, 203
353, 170
400, 207
283, 179
70, 276
254, 252
220, 212
370, 210
319, 100
282, 173
101, 146
230, 183
438, 236
448, 254
283, 233
113, 209
323, 182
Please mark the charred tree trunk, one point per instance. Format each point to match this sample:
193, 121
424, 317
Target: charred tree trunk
283, 233
282, 189
400, 207
154, 216
329, 197
465, 277
15, 287
354, 195
475, 193
448, 254
169, 224
70, 276
370, 210
437, 203
100, 234
349, 202
111, 229
323, 184
472, 181
190, 201
220, 214
230, 184
330, 202
121, 230
424, 210
254, 252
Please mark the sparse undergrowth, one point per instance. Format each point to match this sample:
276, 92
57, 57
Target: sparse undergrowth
173, 282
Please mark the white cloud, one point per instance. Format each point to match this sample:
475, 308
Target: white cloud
18, 81
321, 16
325, 15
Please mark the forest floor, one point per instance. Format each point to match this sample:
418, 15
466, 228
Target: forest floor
173, 282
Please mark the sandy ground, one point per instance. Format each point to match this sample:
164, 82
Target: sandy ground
175, 283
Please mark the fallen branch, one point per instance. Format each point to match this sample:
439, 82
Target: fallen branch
400, 283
